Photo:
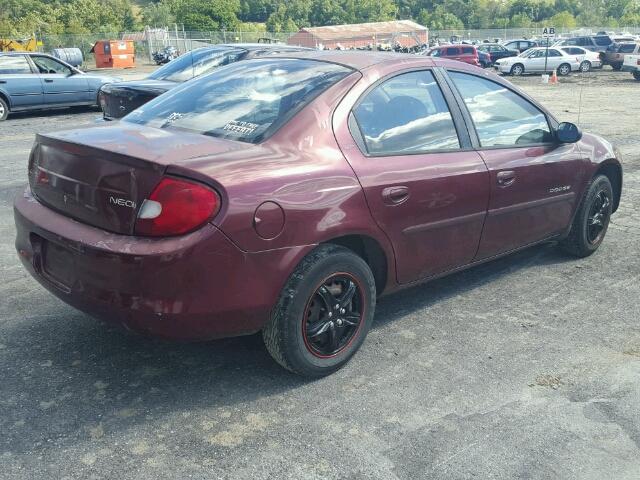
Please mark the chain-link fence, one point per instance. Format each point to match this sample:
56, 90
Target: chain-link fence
151, 40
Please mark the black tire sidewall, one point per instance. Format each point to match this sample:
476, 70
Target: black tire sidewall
513, 70
565, 66
299, 355
601, 182
586, 63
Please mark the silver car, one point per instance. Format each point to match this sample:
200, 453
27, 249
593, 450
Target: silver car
36, 81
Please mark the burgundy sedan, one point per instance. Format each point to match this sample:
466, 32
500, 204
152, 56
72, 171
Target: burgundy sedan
284, 195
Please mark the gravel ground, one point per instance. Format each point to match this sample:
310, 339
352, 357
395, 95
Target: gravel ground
527, 367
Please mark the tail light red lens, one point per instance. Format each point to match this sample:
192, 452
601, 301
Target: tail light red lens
176, 206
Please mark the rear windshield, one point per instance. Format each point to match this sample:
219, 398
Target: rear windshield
627, 48
195, 63
246, 101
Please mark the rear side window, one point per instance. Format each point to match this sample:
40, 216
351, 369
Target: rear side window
602, 41
627, 48
468, 51
406, 114
449, 52
196, 63
14, 65
247, 101
501, 117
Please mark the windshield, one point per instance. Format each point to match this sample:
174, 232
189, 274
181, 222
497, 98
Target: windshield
246, 101
196, 63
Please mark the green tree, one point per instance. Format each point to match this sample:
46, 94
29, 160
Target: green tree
158, 15
563, 20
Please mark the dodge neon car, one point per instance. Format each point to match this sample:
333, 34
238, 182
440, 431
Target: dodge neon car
284, 195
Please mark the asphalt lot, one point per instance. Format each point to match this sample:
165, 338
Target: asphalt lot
527, 367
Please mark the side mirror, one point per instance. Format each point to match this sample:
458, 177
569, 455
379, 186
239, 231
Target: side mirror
568, 133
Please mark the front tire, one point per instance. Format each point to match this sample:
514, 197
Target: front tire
592, 219
517, 70
636, 75
564, 69
324, 312
4, 109
585, 66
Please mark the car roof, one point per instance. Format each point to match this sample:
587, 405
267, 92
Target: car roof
357, 59
24, 53
260, 46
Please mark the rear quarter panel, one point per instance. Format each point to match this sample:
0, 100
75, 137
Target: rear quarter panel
301, 169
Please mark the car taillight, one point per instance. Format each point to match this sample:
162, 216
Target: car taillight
175, 207
638, 62
102, 99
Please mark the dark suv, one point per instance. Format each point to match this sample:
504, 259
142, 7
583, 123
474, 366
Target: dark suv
596, 43
521, 45
614, 55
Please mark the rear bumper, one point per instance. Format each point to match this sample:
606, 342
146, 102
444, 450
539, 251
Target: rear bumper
194, 287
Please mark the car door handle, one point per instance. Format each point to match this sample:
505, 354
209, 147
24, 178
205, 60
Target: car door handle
506, 178
48, 80
395, 195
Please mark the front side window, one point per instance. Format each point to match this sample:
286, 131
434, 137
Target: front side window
49, 65
14, 65
435, 53
246, 101
501, 117
406, 114
553, 53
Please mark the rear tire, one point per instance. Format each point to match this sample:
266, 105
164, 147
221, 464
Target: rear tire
4, 109
585, 66
517, 70
592, 219
616, 66
564, 69
307, 334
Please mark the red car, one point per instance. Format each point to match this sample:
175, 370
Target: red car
286, 194
463, 53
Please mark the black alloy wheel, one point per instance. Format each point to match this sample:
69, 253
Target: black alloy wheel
591, 220
598, 217
324, 312
333, 315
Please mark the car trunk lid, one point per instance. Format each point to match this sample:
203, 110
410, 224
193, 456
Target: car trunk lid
91, 177
119, 99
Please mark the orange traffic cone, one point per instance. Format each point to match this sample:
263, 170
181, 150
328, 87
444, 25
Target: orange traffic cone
554, 78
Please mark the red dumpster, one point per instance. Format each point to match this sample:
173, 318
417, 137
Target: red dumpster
114, 53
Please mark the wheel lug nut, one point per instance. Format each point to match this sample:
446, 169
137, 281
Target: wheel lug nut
330, 314
342, 310
339, 322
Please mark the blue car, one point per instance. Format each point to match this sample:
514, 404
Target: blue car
36, 81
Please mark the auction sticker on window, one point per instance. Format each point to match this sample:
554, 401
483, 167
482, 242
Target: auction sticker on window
244, 128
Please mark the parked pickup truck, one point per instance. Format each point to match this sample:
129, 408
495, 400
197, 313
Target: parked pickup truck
632, 64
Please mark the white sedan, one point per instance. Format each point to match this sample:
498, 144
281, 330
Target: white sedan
588, 59
533, 61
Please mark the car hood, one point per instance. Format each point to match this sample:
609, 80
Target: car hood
144, 85
101, 78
